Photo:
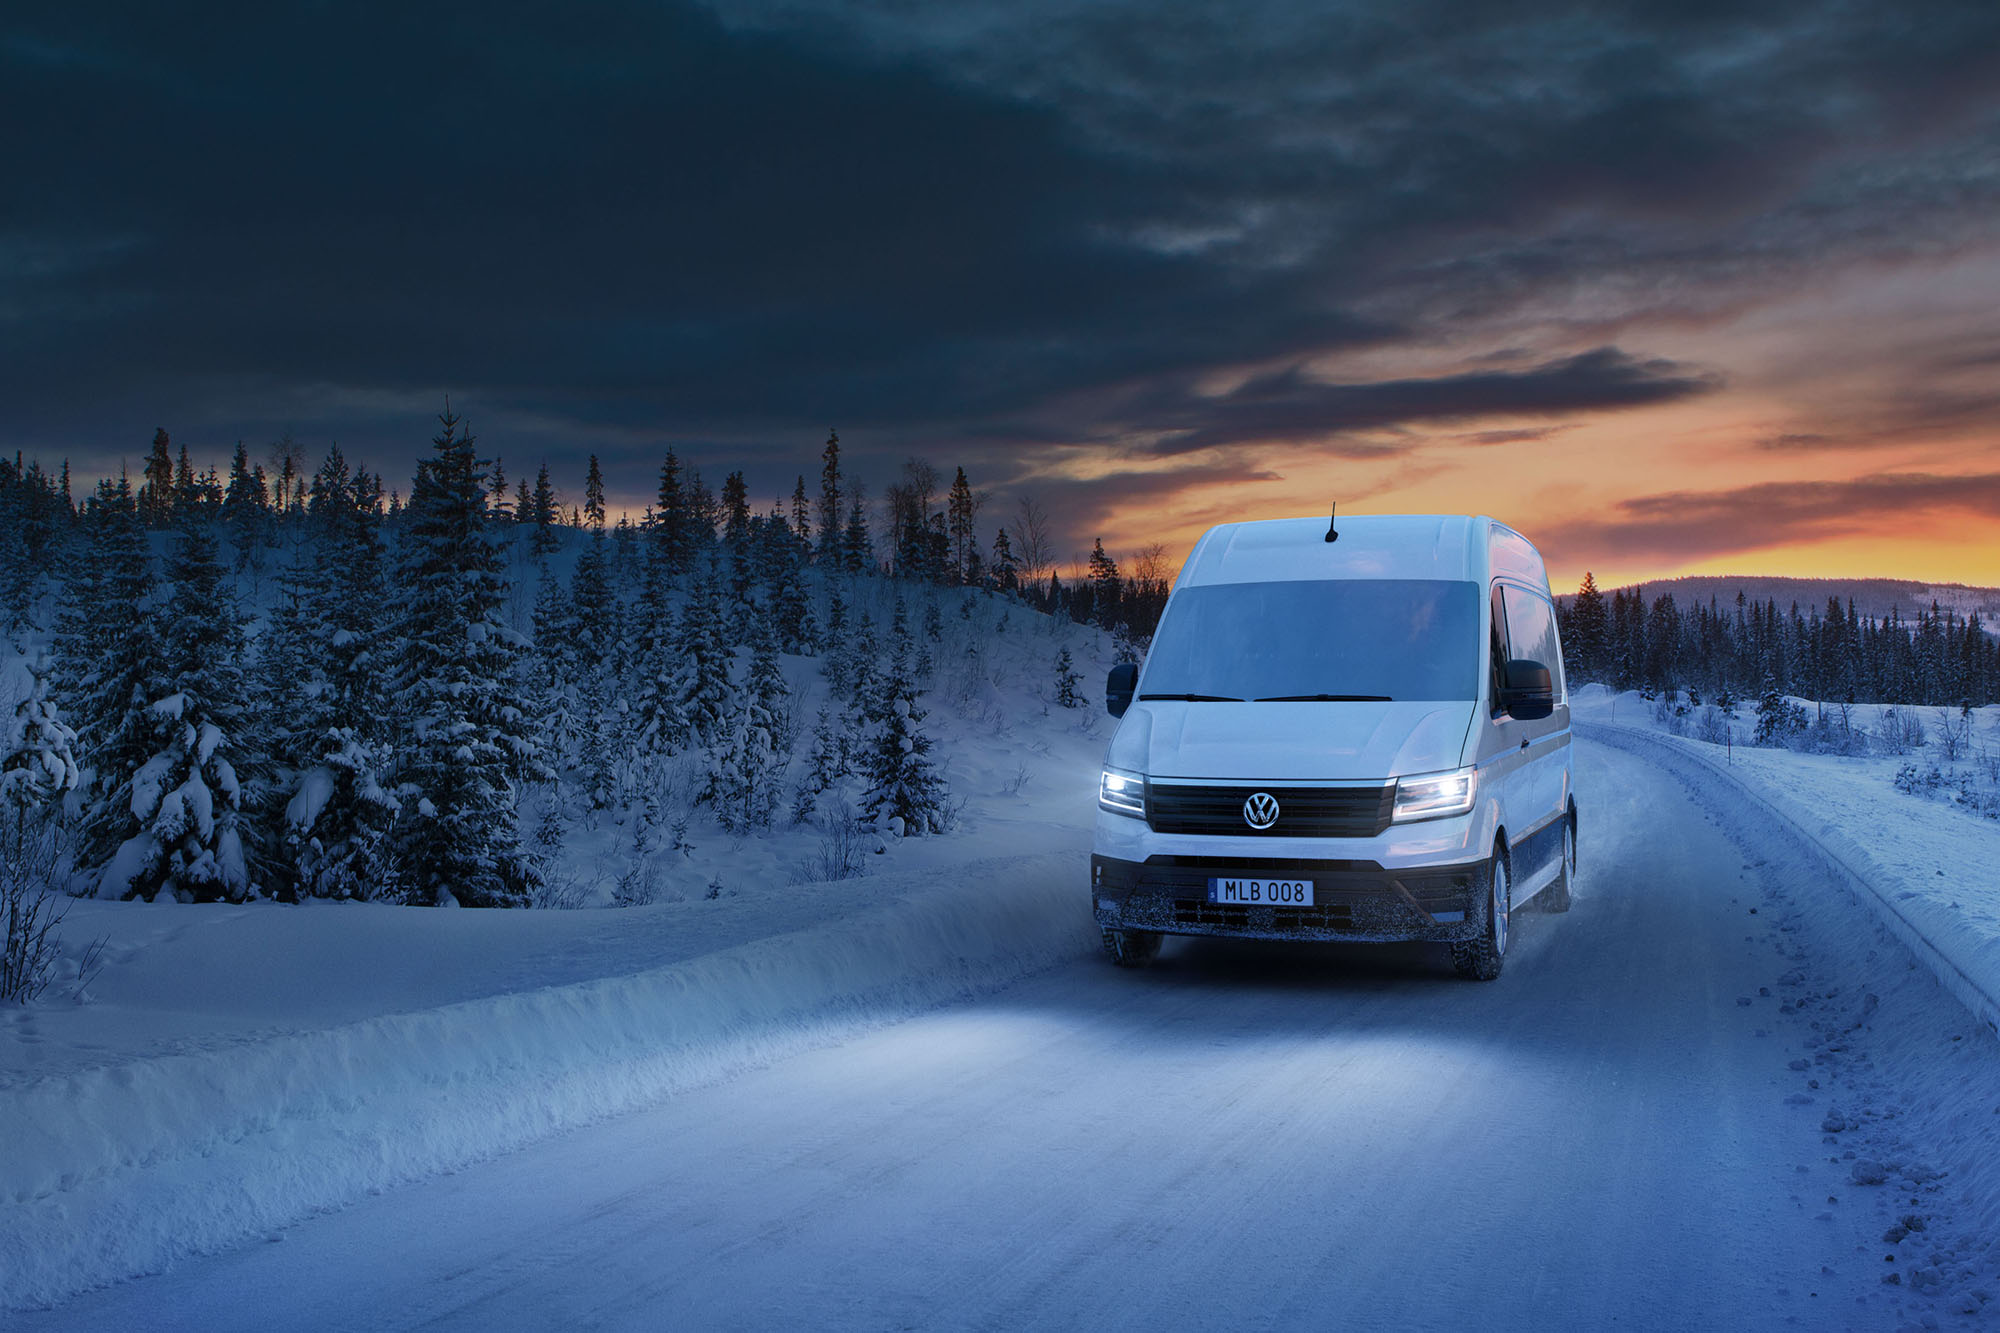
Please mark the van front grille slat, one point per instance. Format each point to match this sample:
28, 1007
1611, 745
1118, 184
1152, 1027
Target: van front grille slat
1303, 812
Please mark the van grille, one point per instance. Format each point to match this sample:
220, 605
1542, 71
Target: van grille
1303, 812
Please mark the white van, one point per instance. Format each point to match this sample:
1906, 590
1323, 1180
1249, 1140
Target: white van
1357, 732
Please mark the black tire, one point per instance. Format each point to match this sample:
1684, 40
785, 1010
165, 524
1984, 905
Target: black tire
1556, 897
1481, 959
1131, 948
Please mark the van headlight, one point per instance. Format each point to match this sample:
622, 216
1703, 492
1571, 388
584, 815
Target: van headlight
1122, 793
1435, 795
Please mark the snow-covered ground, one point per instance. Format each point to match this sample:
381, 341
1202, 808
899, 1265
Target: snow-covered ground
1712, 1095
1930, 867
222, 1069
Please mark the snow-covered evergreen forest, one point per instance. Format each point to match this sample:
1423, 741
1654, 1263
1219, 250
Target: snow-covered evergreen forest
311, 685
1714, 652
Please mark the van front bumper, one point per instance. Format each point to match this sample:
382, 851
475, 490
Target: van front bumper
1352, 899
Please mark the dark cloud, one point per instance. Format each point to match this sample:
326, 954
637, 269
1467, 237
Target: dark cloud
1526, 435
612, 226
1685, 525
1291, 406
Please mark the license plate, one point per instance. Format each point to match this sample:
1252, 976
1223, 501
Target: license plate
1261, 892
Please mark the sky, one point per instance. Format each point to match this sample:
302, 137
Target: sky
1671, 289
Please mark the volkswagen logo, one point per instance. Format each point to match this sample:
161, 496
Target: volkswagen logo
1261, 810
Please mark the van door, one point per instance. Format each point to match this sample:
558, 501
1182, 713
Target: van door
1541, 794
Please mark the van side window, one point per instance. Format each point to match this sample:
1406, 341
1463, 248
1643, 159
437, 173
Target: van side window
1496, 654
1531, 633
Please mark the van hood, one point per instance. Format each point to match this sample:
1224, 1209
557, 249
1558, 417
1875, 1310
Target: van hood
1254, 742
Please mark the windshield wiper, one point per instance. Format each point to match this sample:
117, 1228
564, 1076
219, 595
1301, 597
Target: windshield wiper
1325, 699
1194, 698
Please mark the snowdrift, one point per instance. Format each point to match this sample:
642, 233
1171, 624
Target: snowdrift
117, 1171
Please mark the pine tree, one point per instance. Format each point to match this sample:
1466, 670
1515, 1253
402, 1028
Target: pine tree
108, 659
545, 515
156, 492
802, 518
38, 749
744, 780
182, 804
857, 548
1067, 680
497, 506
1103, 585
704, 702
656, 723
906, 795
455, 690
1587, 646
825, 765
246, 509
339, 808
1006, 570
833, 660
593, 497
672, 546
832, 550
962, 509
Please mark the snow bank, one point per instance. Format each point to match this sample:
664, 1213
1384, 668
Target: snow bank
1960, 946
117, 1171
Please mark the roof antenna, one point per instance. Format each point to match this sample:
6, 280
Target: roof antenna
1332, 513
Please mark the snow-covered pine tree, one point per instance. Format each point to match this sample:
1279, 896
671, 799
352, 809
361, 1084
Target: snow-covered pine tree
657, 723
705, 653
825, 765
744, 779
555, 671
246, 509
672, 547
736, 536
1067, 680
339, 810
108, 661
38, 749
182, 806
781, 571
835, 647
906, 795
765, 685
455, 685
863, 698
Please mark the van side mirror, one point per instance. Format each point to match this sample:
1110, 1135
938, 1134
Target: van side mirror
1527, 693
1118, 687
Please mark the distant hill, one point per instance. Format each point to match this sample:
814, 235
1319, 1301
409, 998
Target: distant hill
1871, 597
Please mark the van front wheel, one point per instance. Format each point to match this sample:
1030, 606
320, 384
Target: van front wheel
1480, 959
1131, 948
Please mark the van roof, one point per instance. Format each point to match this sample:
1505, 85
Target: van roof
1373, 546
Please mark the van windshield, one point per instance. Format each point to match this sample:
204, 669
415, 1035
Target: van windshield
1321, 638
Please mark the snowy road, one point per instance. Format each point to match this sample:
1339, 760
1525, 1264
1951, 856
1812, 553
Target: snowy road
1612, 1135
